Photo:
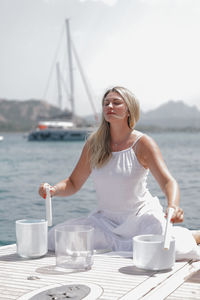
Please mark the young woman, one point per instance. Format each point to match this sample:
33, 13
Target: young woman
119, 158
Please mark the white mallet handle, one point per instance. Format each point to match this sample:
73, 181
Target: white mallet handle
167, 237
48, 205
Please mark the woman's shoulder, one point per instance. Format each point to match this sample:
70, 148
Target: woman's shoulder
142, 139
145, 145
146, 150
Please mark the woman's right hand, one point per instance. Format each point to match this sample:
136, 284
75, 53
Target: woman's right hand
178, 214
42, 190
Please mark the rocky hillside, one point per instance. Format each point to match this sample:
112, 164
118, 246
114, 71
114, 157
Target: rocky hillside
172, 115
24, 115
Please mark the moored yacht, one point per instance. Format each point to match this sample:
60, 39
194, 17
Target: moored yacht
68, 129
59, 131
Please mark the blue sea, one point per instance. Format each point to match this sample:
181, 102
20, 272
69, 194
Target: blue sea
24, 165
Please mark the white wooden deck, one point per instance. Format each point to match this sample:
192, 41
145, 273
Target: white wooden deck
111, 277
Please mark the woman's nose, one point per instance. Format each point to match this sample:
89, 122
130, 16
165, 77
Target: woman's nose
110, 104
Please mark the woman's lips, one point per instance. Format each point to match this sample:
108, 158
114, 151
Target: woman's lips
110, 113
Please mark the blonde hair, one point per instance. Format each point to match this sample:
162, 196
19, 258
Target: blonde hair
99, 142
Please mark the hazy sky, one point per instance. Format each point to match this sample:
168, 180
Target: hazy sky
150, 46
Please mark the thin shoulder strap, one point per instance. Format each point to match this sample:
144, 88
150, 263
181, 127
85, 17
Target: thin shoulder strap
137, 139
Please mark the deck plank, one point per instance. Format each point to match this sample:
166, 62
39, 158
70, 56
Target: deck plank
189, 289
117, 276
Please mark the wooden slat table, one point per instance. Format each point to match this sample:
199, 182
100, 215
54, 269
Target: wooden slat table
112, 276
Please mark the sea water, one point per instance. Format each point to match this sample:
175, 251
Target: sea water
24, 165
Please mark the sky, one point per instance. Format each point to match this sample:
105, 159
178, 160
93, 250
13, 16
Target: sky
152, 47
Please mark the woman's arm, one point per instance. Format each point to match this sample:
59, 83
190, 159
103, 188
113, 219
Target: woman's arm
75, 181
149, 155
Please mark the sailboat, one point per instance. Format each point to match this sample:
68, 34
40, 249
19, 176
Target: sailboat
59, 130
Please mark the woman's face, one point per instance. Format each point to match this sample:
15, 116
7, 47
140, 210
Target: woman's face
114, 107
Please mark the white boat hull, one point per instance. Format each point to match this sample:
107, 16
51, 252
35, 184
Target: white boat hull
72, 134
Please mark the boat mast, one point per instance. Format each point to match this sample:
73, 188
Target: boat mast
71, 79
59, 85
85, 82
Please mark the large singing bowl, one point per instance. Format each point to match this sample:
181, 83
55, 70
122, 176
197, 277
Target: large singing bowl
149, 252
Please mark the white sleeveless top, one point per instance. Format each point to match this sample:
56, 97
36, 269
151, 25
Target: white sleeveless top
121, 184
126, 208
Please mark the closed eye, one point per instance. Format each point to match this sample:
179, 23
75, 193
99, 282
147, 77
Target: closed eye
116, 102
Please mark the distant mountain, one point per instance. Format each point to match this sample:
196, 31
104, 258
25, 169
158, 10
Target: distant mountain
171, 115
24, 115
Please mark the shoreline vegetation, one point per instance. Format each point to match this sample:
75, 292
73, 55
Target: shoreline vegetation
23, 116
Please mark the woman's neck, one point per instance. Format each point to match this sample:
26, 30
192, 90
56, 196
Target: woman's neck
119, 133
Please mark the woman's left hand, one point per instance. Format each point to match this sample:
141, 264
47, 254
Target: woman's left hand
178, 215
